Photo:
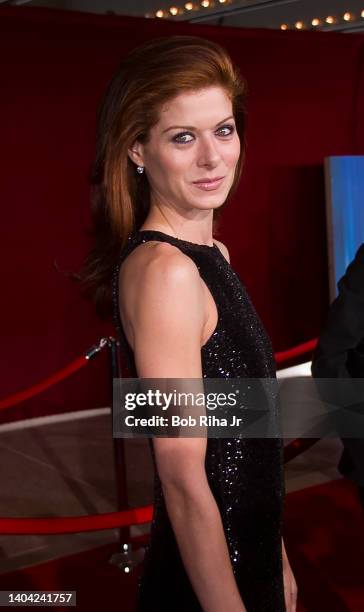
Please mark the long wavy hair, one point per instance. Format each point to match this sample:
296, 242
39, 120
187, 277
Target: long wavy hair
148, 77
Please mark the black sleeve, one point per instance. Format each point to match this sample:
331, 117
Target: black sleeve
344, 326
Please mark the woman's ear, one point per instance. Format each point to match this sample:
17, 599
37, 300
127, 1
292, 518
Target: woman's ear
135, 153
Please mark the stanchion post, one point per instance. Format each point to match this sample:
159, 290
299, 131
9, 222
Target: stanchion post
118, 443
127, 558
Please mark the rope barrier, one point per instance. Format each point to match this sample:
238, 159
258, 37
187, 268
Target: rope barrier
65, 372
80, 362
76, 524
296, 351
110, 520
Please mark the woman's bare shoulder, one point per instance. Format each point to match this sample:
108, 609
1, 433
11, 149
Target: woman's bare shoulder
156, 268
160, 290
155, 256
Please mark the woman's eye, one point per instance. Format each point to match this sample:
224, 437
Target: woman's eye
226, 129
186, 137
181, 138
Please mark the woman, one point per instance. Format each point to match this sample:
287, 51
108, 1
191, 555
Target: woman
169, 155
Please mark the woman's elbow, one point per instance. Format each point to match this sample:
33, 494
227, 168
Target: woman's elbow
184, 489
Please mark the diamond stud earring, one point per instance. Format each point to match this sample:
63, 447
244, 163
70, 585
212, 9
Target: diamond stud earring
140, 169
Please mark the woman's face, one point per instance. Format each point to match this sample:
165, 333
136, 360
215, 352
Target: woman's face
194, 139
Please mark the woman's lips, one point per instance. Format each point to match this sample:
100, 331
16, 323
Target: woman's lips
210, 185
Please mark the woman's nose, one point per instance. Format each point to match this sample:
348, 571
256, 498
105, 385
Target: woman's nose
208, 154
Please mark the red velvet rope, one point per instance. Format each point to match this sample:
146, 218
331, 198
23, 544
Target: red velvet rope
296, 351
80, 362
74, 366
110, 520
76, 524
20, 396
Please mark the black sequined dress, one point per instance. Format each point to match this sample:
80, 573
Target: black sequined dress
244, 474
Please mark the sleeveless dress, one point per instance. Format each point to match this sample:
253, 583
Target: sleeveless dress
245, 474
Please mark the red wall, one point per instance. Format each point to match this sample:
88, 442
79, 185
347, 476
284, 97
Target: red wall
305, 103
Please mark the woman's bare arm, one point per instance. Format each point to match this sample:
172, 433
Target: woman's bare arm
167, 318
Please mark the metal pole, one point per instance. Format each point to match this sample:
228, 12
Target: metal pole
126, 559
118, 444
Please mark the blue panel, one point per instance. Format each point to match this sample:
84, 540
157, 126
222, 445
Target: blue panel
345, 213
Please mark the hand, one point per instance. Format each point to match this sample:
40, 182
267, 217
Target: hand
290, 587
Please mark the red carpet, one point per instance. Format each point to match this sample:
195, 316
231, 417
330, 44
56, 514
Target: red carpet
324, 536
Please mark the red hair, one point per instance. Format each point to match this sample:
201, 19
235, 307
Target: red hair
148, 77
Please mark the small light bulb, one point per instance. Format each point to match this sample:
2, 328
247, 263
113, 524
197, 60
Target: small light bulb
298, 25
362, 14
347, 16
159, 14
284, 26
222, 1
173, 10
205, 3
315, 22
188, 6
329, 19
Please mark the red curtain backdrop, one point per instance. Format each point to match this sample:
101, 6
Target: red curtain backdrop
305, 103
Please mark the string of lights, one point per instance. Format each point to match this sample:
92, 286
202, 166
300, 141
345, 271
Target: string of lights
316, 23
188, 7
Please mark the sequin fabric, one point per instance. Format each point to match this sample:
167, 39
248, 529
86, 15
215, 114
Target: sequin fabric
245, 474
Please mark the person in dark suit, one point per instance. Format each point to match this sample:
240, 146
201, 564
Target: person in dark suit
340, 354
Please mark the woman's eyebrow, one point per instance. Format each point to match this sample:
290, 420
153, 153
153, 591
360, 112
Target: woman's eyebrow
190, 127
